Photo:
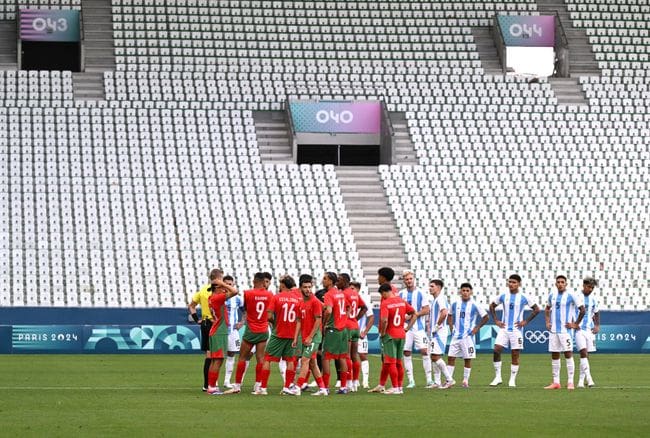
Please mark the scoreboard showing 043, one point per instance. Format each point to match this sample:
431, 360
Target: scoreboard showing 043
49, 25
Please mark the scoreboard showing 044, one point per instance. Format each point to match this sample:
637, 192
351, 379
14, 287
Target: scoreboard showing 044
49, 25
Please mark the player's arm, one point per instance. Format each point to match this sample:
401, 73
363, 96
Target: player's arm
483, 321
270, 316
231, 291
370, 320
441, 320
534, 311
362, 309
576, 324
547, 316
294, 344
596, 328
493, 313
450, 322
412, 319
383, 324
192, 308
327, 312
317, 324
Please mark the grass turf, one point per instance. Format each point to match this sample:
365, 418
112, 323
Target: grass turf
147, 395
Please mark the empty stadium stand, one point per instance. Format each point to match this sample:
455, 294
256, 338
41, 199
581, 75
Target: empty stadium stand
127, 200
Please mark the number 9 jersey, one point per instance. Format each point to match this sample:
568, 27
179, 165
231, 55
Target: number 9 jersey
256, 303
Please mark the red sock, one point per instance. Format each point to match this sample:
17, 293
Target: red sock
241, 369
348, 361
326, 379
394, 379
258, 372
301, 381
265, 377
356, 369
213, 377
288, 378
320, 382
383, 376
344, 379
400, 373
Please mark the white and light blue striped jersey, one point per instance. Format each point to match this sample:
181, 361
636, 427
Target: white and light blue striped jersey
465, 315
437, 305
564, 307
513, 306
591, 308
364, 319
234, 305
417, 300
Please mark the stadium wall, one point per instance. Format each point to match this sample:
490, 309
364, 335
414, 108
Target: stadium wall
94, 330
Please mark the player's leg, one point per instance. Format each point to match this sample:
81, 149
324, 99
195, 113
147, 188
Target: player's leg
218, 347
421, 343
363, 359
385, 366
244, 352
554, 347
469, 353
408, 359
467, 371
313, 366
233, 347
514, 368
400, 364
205, 346
501, 341
570, 368
356, 364
581, 346
451, 366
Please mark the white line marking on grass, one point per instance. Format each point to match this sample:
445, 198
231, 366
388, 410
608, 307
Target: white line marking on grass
95, 388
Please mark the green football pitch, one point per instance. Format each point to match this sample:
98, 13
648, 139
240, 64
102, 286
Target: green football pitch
159, 395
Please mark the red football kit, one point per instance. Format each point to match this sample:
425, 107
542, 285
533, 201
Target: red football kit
285, 306
395, 310
337, 301
355, 303
309, 310
256, 302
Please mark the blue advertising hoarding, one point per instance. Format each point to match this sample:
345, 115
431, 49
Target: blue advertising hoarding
621, 332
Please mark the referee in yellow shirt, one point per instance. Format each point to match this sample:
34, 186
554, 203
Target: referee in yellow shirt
201, 299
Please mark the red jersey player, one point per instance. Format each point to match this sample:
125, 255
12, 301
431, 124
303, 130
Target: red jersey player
392, 314
335, 342
357, 308
283, 312
219, 330
256, 334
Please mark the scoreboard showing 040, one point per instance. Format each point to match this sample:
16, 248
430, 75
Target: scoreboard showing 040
49, 25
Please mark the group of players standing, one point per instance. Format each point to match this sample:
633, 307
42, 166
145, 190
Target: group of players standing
309, 330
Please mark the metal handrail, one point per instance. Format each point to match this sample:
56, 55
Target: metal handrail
500, 43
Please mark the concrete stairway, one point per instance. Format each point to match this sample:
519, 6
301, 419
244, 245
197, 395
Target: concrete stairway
372, 222
8, 55
568, 91
88, 86
99, 46
582, 61
487, 51
404, 152
273, 136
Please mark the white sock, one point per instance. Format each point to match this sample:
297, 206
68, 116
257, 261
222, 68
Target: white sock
230, 364
283, 368
450, 370
584, 369
436, 371
426, 364
466, 373
570, 369
408, 367
497, 370
514, 369
365, 371
555, 366
444, 369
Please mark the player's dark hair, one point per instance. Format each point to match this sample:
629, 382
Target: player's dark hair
332, 276
590, 281
355, 284
267, 275
515, 277
437, 282
387, 273
345, 276
259, 276
305, 278
215, 273
561, 277
384, 288
466, 285
228, 278
288, 281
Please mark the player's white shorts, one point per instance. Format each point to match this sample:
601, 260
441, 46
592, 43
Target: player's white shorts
362, 347
585, 339
513, 340
438, 342
233, 341
463, 348
560, 342
417, 339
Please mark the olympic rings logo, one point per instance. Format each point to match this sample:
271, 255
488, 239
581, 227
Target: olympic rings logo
537, 336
